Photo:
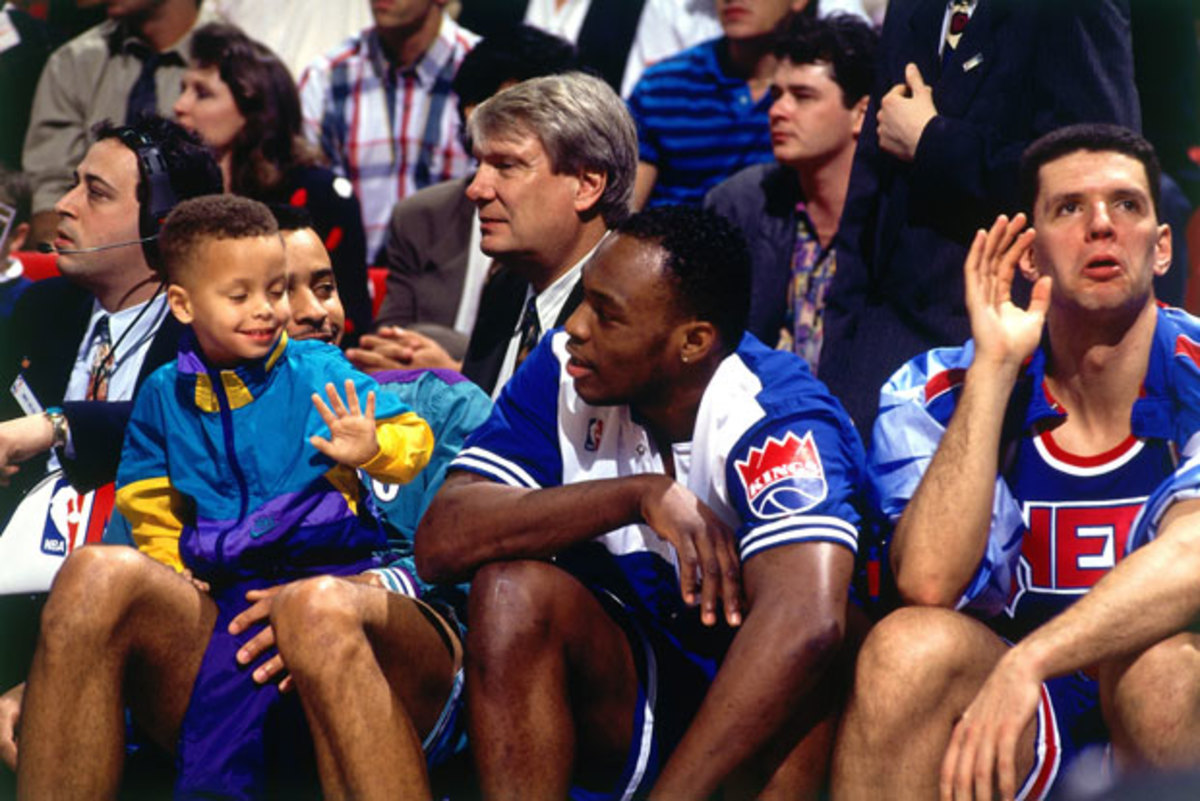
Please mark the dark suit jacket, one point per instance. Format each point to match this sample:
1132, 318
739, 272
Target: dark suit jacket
500, 310
426, 256
1022, 68
761, 201
49, 323
605, 36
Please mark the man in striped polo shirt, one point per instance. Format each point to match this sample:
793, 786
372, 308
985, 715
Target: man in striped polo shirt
702, 115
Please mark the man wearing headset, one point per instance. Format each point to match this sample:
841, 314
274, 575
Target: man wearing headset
85, 341
56, 408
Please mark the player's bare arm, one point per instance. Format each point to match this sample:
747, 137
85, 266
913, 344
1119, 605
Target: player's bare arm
473, 521
1158, 580
22, 438
933, 561
795, 622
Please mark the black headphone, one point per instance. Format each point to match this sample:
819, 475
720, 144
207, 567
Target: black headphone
155, 196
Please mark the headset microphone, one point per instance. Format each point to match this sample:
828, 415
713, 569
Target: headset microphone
46, 247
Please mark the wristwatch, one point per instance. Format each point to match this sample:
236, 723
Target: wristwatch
59, 422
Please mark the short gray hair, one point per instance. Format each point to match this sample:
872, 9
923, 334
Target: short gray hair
580, 122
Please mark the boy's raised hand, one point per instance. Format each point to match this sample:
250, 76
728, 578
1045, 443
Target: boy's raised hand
351, 430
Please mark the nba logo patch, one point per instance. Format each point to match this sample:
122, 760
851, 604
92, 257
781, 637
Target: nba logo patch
75, 518
783, 477
595, 430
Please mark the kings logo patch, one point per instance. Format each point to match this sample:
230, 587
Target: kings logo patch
783, 477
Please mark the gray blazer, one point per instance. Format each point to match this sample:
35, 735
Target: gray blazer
426, 258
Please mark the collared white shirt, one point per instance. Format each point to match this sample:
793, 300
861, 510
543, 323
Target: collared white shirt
550, 302
478, 265
131, 331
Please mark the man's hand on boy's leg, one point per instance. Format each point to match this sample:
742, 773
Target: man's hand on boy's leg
352, 439
260, 613
199, 584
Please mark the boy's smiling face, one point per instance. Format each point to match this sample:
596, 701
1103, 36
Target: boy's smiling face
234, 295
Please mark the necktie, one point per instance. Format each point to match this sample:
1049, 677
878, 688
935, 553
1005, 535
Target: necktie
531, 331
102, 363
143, 97
960, 15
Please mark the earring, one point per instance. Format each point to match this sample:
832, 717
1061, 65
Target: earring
684, 357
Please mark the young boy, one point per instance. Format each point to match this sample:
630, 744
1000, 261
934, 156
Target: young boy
399, 638
231, 473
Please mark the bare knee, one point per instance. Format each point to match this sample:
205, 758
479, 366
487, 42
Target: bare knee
315, 620
911, 662
1152, 703
511, 607
911, 644
94, 591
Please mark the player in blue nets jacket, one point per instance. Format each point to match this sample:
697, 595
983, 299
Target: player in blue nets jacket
1015, 468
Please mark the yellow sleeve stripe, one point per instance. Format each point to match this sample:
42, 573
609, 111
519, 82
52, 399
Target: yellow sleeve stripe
405, 446
154, 510
345, 480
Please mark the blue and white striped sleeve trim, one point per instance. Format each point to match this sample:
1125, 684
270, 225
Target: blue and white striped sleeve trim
398, 580
791, 530
495, 467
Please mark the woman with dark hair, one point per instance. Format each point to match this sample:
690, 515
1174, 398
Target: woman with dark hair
241, 99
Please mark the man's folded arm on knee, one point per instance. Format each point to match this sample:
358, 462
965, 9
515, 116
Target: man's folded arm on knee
1148, 596
474, 520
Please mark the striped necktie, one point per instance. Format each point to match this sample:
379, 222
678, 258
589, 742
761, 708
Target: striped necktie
531, 331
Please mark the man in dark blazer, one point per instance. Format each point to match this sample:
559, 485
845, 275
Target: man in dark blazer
789, 209
106, 276
937, 160
557, 158
427, 250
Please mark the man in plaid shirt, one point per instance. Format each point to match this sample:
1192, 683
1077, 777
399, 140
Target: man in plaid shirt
381, 108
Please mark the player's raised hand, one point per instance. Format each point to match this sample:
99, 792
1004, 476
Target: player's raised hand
1004, 333
708, 558
352, 439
